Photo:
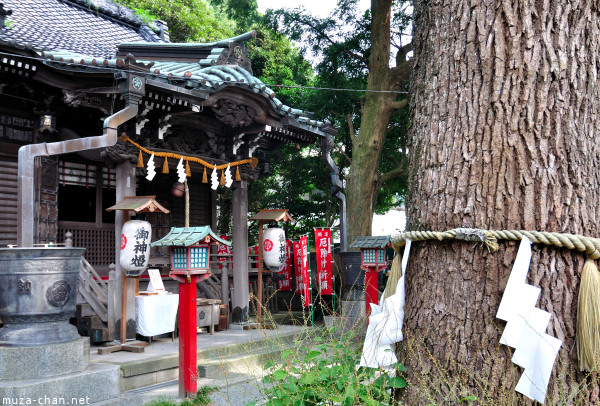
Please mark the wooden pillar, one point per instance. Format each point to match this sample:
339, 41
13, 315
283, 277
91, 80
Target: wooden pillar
225, 283
126, 181
260, 271
239, 300
188, 370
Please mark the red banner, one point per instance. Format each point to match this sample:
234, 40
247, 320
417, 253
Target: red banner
324, 254
298, 267
305, 271
286, 284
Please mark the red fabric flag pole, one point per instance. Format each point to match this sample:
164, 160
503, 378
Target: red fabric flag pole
286, 283
324, 255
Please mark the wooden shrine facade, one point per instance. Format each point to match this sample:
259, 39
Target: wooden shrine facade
66, 66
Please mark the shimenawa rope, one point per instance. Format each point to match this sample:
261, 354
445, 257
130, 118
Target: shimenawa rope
588, 306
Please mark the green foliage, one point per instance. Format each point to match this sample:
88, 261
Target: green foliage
145, 16
342, 41
298, 181
201, 398
326, 374
8, 23
188, 20
162, 401
243, 12
277, 62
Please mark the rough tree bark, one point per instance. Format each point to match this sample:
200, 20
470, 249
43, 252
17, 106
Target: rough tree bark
505, 136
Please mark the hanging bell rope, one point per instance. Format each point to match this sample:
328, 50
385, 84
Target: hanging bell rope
588, 305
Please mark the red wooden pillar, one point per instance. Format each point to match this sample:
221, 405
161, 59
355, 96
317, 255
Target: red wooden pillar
188, 370
371, 288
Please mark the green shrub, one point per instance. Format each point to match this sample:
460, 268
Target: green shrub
327, 374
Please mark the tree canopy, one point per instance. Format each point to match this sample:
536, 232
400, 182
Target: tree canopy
188, 20
372, 138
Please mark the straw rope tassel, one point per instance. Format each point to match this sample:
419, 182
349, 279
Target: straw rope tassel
205, 176
165, 168
588, 318
395, 274
222, 182
140, 162
238, 178
188, 173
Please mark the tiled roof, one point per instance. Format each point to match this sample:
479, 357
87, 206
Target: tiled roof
84, 35
379, 241
186, 236
89, 27
192, 75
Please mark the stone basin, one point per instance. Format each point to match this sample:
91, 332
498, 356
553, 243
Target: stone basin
38, 295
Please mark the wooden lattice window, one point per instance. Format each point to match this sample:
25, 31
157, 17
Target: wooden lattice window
98, 241
179, 258
198, 257
369, 256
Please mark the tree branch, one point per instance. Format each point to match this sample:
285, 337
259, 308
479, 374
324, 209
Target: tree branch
341, 151
400, 104
402, 52
350, 124
345, 50
393, 174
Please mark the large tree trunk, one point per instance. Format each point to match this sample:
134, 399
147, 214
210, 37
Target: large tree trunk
505, 136
361, 181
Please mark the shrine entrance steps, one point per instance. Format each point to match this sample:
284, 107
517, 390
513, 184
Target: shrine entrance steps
225, 359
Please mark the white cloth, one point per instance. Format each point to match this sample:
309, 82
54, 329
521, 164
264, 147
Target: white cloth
385, 324
156, 314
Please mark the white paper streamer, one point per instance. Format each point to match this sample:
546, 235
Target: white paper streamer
517, 278
525, 329
228, 178
181, 171
214, 179
534, 381
524, 299
151, 171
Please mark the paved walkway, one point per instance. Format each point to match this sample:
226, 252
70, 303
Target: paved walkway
235, 346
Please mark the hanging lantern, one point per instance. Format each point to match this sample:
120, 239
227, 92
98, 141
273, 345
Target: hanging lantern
47, 124
135, 247
273, 245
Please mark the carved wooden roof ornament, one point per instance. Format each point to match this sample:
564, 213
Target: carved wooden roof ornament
234, 114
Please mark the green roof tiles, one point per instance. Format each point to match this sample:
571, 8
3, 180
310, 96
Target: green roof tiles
371, 242
186, 236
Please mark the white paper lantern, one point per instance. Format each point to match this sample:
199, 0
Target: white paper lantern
135, 247
273, 245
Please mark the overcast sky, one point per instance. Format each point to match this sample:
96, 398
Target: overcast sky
316, 7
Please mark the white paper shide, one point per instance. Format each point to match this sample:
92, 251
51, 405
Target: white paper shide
525, 330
